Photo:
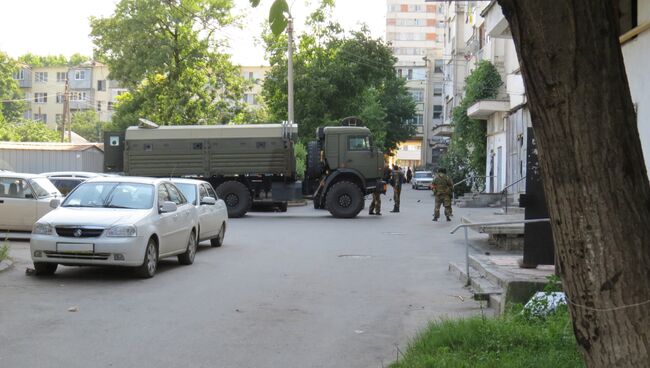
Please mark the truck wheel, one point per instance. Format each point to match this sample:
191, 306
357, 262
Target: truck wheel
237, 197
344, 200
313, 160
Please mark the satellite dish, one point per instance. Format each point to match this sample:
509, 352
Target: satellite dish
147, 124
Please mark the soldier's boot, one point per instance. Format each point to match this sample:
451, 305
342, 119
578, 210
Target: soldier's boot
448, 218
435, 219
378, 213
395, 209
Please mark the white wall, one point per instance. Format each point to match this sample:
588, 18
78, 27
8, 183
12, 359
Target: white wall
636, 53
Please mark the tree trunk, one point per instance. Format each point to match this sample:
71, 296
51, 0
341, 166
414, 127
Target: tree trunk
594, 174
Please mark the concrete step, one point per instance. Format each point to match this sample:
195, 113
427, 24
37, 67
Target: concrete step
480, 285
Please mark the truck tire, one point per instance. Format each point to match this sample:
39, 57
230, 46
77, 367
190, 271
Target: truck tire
237, 197
344, 200
313, 169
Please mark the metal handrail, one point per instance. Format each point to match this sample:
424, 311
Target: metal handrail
453, 193
465, 226
505, 192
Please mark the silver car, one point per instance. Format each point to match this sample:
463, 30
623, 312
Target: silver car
117, 221
24, 198
212, 211
422, 179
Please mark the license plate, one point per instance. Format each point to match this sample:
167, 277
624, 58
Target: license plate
75, 247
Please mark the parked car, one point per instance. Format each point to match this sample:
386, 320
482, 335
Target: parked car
117, 221
212, 211
24, 198
422, 179
66, 181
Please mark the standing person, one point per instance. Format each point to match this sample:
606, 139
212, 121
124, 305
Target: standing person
397, 179
442, 187
375, 205
409, 175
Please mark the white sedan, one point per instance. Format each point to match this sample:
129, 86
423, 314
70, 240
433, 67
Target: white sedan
213, 213
24, 198
110, 221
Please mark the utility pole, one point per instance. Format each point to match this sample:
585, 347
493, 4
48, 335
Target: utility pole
290, 72
66, 108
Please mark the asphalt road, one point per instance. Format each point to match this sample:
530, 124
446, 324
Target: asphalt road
294, 289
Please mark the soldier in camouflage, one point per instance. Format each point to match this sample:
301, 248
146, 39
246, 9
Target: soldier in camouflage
442, 187
375, 205
397, 179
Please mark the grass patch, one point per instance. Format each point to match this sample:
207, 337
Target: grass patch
513, 340
4, 251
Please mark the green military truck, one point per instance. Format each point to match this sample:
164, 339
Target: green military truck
254, 163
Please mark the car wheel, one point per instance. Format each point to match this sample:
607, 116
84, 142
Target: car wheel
187, 258
218, 241
237, 197
344, 200
150, 262
44, 269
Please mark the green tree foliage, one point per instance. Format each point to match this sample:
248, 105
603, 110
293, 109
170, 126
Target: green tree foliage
166, 53
300, 151
87, 124
466, 155
337, 76
27, 131
37, 61
12, 106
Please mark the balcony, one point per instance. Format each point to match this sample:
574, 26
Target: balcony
496, 24
483, 109
442, 130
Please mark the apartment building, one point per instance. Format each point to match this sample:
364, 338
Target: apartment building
88, 84
255, 76
635, 44
415, 30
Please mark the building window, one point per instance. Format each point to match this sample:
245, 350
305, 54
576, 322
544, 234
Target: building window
41, 117
437, 66
101, 85
58, 118
79, 96
61, 77
437, 111
109, 107
410, 74
99, 106
417, 94
251, 76
437, 91
80, 75
40, 97
59, 97
399, 73
40, 77
19, 75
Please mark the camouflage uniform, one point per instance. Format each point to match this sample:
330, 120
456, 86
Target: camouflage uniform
375, 205
397, 178
442, 187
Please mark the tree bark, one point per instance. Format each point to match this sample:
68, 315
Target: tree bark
594, 175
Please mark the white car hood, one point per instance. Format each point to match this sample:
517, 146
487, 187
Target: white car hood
102, 217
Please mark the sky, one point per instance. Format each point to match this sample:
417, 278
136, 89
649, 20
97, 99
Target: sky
53, 27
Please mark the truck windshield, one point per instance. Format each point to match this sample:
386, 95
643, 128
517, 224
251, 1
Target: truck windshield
111, 195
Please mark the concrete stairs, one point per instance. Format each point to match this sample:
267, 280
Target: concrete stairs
474, 200
499, 280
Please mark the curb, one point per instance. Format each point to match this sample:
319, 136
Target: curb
5, 265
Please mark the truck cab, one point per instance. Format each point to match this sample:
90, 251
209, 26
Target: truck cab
342, 168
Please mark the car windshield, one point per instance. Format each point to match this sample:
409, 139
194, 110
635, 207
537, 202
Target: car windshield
111, 195
421, 175
189, 191
44, 188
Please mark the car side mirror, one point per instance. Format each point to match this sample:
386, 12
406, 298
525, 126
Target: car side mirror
167, 207
208, 200
54, 203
